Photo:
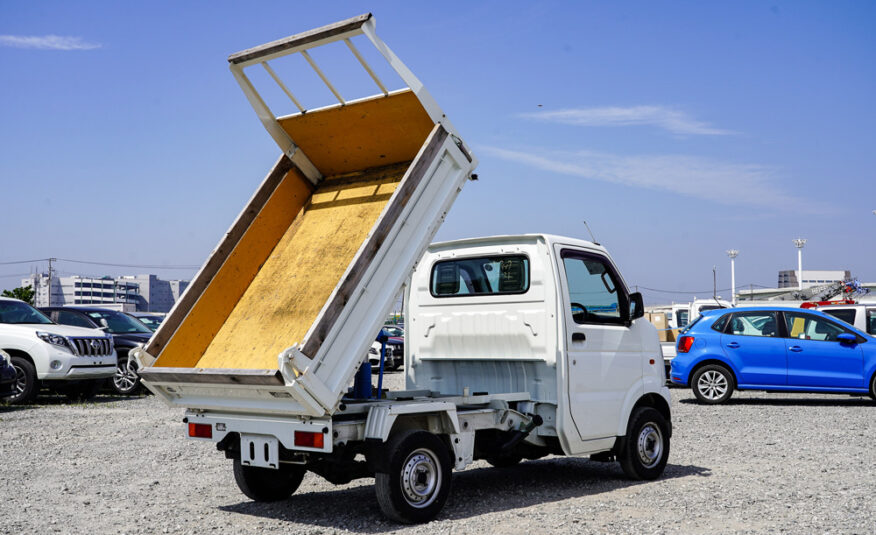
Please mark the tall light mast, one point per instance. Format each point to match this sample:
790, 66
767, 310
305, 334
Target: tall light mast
799, 243
733, 253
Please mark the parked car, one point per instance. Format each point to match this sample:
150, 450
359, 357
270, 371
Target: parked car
395, 349
148, 319
774, 349
861, 315
72, 360
7, 375
127, 333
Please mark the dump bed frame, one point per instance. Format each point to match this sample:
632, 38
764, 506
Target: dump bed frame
396, 160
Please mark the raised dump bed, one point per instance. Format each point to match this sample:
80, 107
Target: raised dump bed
283, 312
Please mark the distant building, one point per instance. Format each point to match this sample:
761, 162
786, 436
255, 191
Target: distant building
140, 293
788, 278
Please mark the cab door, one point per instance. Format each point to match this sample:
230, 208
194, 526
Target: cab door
604, 359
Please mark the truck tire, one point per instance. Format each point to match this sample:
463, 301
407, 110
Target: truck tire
26, 382
267, 484
712, 384
417, 484
82, 390
126, 381
645, 449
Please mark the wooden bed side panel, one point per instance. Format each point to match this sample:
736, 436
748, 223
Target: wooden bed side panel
250, 245
299, 276
361, 135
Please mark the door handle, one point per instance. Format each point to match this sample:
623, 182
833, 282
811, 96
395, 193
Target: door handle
734, 345
578, 337
796, 349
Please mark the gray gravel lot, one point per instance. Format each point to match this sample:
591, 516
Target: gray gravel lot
764, 463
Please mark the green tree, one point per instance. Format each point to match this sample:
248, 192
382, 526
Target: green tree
25, 293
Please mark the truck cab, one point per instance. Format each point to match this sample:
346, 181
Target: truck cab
860, 315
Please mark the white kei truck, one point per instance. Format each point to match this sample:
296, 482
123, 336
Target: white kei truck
517, 346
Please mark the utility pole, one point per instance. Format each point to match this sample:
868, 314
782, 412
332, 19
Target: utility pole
733, 253
799, 243
50, 280
715, 283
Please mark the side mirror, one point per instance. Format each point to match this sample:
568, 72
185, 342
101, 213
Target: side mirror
637, 306
847, 339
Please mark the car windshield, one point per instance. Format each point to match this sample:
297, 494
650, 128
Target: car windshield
393, 331
117, 323
19, 312
150, 321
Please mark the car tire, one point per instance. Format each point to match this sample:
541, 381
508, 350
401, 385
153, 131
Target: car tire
645, 448
267, 484
126, 380
873, 387
417, 483
82, 390
26, 385
712, 384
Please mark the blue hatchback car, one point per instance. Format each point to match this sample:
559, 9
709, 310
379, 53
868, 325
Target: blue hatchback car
776, 349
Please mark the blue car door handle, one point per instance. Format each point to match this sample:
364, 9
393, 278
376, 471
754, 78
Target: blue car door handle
734, 345
796, 349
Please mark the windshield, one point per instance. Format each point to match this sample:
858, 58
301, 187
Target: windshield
690, 325
19, 312
150, 321
393, 331
117, 323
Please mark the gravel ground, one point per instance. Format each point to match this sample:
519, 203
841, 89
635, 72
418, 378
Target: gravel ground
764, 463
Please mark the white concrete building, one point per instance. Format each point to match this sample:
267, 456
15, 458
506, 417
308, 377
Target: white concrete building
789, 278
141, 293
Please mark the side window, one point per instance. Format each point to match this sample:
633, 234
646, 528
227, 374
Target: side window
595, 292
753, 324
721, 322
65, 317
843, 314
871, 321
806, 327
682, 318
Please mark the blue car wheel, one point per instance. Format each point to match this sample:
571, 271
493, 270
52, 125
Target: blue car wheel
712, 384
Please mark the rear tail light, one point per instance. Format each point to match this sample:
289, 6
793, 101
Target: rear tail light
200, 430
685, 343
306, 439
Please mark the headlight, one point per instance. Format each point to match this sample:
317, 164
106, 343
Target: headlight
54, 339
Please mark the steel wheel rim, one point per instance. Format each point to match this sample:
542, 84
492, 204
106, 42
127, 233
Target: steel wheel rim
20, 380
650, 445
421, 478
125, 377
712, 385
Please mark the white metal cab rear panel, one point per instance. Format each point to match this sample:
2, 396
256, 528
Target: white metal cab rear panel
517, 342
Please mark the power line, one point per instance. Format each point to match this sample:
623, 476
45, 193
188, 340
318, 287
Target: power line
144, 266
693, 292
24, 261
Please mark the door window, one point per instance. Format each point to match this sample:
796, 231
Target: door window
754, 324
806, 327
845, 314
595, 292
65, 317
682, 318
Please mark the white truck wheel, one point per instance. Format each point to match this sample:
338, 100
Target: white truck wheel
417, 484
267, 484
645, 449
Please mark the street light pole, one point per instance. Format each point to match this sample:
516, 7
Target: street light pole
733, 253
799, 243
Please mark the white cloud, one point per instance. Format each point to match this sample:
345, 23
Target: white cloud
47, 42
674, 121
703, 178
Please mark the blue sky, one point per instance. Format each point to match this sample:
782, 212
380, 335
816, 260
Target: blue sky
676, 129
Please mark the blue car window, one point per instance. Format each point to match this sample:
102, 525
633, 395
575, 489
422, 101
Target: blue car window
806, 327
757, 323
721, 323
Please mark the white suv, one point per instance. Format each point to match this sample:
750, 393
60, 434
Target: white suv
72, 360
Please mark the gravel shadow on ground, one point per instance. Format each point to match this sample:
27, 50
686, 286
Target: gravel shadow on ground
840, 401
474, 492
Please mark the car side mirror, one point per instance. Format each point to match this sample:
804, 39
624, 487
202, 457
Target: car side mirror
846, 338
637, 306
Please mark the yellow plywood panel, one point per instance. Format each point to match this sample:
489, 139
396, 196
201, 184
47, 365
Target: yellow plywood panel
297, 279
371, 133
231, 281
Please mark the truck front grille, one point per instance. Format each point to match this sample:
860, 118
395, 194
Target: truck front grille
92, 347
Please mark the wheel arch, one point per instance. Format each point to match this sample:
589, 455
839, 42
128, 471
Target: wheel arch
712, 360
21, 354
657, 402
